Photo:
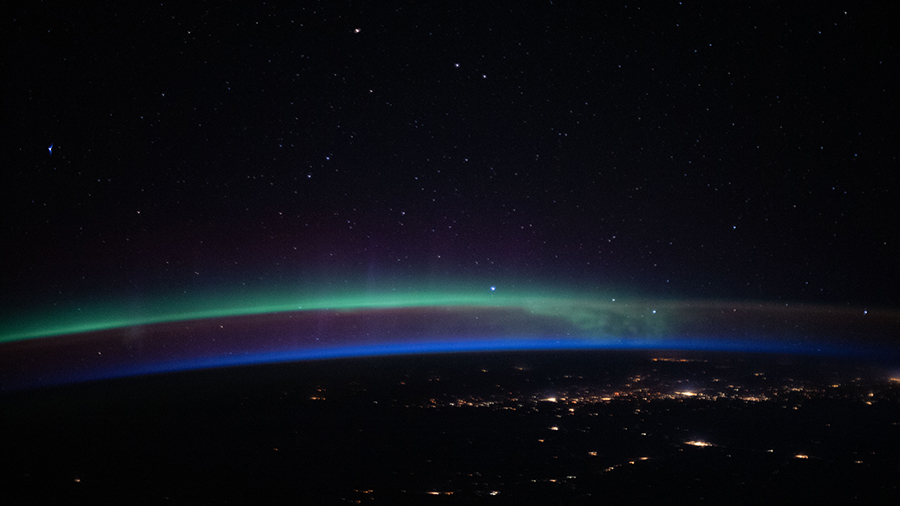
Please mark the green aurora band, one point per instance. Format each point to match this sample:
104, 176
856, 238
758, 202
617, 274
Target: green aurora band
588, 314
578, 307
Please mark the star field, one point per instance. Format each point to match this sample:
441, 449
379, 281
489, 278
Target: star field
672, 149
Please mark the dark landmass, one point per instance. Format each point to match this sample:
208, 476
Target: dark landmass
548, 428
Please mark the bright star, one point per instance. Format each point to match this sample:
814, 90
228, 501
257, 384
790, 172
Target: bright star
50, 149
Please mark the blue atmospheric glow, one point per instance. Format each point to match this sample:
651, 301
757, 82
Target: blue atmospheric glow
493, 345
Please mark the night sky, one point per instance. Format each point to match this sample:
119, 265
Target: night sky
232, 151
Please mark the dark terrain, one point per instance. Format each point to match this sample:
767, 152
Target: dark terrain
550, 428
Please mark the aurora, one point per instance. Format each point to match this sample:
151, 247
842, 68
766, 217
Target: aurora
107, 341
